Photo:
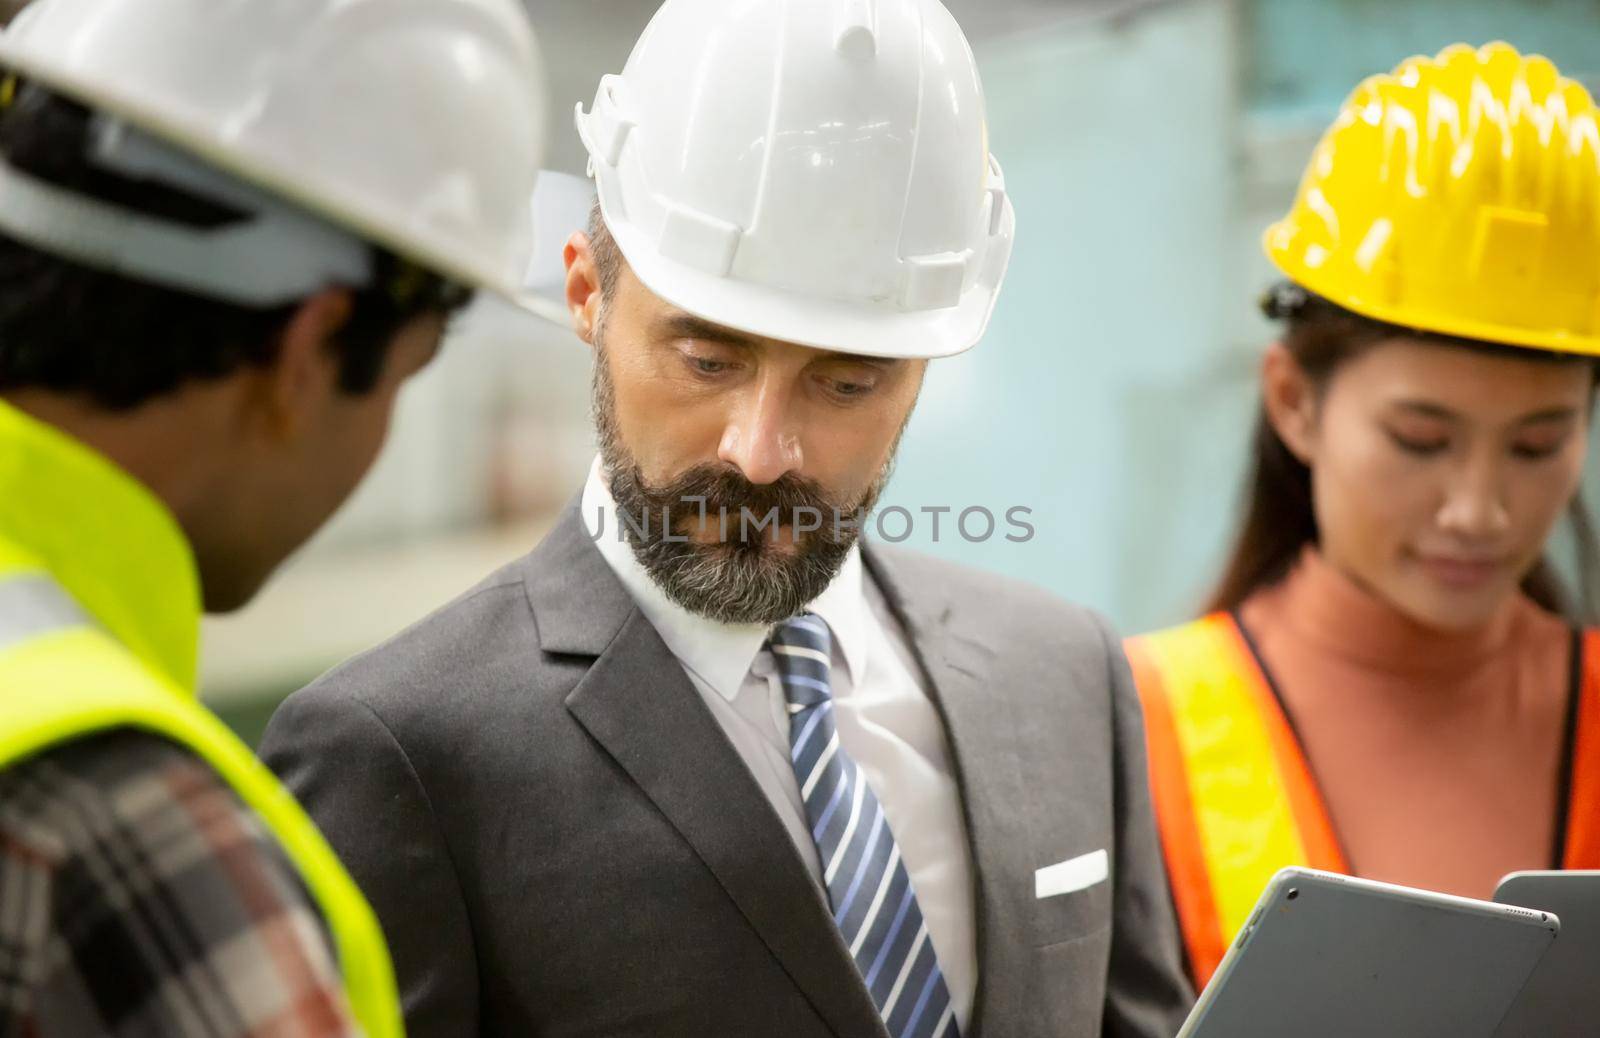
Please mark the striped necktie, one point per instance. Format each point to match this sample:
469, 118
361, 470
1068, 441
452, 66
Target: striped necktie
868, 887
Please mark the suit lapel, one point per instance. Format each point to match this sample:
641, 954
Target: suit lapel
639, 705
982, 737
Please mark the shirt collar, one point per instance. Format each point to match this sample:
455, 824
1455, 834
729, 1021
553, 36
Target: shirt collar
721, 654
104, 537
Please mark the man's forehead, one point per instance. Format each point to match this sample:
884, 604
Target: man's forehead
680, 324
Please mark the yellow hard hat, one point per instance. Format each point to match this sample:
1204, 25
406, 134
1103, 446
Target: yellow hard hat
1461, 195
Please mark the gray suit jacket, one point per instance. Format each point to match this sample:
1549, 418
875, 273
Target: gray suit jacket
559, 839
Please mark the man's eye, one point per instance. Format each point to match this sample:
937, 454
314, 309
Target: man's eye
851, 388
705, 366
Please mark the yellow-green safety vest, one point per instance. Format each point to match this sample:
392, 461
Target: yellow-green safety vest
99, 629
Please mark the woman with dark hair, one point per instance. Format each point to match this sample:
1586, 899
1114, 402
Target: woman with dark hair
1390, 680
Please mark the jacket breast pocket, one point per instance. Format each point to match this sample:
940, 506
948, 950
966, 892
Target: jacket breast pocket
1071, 898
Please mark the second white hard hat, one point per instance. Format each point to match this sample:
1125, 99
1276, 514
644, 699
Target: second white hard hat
814, 171
416, 125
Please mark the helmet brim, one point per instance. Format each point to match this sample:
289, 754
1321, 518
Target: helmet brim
1276, 242
823, 324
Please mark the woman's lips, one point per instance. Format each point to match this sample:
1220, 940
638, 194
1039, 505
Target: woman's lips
1458, 572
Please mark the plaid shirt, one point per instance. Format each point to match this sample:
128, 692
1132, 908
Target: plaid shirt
139, 897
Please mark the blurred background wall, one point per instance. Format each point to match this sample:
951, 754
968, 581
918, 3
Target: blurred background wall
1146, 143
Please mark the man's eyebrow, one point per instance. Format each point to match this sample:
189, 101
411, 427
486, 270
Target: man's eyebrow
862, 358
688, 326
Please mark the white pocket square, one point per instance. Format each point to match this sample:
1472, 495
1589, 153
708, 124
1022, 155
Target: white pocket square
1074, 874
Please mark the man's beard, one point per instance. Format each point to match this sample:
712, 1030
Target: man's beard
744, 575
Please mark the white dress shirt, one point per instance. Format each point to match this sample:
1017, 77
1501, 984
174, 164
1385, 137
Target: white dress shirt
886, 723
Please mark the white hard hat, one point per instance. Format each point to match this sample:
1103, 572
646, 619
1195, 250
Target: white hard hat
415, 125
814, 171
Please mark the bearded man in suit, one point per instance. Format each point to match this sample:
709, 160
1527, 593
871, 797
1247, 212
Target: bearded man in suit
707, 762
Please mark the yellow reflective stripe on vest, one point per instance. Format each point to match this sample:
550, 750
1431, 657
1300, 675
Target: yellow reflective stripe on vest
63, 684
1238, 804
1241, 806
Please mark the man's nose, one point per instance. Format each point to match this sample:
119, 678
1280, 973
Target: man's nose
761, 437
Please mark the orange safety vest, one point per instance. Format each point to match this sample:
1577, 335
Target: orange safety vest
1234, 796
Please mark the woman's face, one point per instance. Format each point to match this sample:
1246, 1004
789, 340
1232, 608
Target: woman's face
1437, 472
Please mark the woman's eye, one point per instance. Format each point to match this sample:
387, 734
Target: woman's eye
1535, 451
851, 388
1419, 445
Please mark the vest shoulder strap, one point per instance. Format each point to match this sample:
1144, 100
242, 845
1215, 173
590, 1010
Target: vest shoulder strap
1235, 801
1582, 848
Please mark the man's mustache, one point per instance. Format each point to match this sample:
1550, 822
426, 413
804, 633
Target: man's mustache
711, 491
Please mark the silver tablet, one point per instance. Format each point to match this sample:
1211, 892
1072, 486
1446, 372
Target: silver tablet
1328, 956
1561, 999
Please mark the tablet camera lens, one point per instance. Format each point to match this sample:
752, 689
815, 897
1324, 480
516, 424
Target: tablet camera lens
1294, 892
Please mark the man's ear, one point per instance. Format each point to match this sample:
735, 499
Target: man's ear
305, 373
1290, 400
584, 295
